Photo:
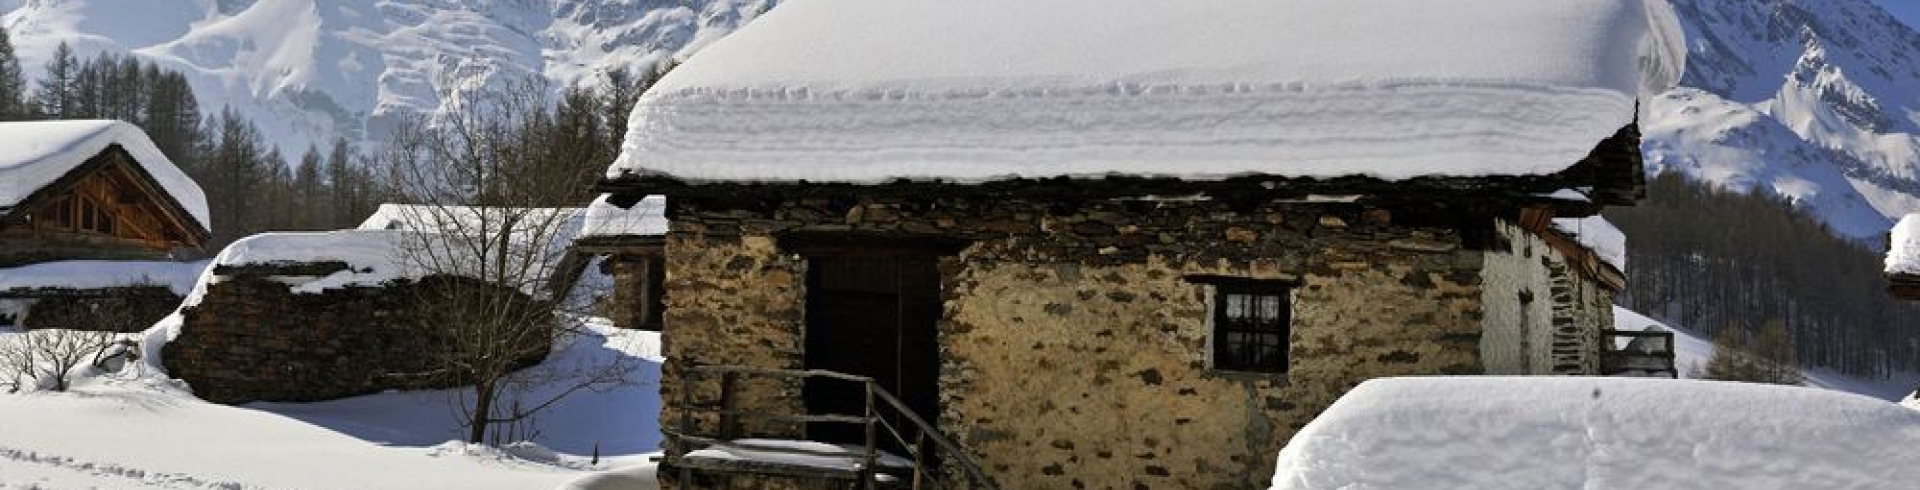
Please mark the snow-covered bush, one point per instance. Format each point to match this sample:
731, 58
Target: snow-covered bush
47, 359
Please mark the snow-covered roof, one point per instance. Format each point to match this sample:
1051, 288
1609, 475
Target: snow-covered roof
868, 91
373, 257
100, 274
34, 154
1616, 433
647, 217
464, 219
1903, 254
1599, 235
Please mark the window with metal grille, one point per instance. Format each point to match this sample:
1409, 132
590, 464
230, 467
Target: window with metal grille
1250, 325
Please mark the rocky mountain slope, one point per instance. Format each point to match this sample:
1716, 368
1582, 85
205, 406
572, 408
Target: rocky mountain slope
1815, 100
306, 70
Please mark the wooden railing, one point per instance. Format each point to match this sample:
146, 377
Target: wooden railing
878, 403
1647, 352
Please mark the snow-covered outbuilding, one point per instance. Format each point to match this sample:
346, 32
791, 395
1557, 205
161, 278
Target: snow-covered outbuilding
627, 236
1131, 243
365, 301
93, 219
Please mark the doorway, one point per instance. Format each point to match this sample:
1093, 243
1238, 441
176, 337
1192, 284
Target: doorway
872, 313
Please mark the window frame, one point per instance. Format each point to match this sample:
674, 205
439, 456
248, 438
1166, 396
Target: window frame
1278, 330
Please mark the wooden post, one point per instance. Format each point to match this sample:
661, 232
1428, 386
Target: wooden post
678, 448
873, 436
729, 429
919, 456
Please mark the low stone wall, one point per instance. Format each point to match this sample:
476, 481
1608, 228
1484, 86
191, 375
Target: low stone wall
251, 338
1074, 348
122, 310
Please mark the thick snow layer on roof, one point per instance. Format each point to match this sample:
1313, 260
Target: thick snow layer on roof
34, 154
1598, 235
372, 256
99, 274
874, 90
1611, 433
647, 217
1903, 254
467, 219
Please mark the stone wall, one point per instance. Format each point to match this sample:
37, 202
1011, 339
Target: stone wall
635, 292
1075, 348
1543, 316
251, 338
124, 310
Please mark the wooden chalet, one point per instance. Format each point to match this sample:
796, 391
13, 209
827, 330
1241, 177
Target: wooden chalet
103, 193
93, 219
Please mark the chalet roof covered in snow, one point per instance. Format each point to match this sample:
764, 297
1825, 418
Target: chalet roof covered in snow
1615, 433
869, 91
1903, 254
35, 154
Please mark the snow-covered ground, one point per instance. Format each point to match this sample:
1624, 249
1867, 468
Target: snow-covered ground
1691, 350
1601, 433
133, 430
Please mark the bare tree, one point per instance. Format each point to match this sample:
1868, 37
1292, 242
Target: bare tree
47, 357
488, 186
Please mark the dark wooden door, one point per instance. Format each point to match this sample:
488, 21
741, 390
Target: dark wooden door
872, 315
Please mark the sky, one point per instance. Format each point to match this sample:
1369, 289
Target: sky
1907, 10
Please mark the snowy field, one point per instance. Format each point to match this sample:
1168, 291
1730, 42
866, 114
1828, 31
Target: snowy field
1694, 349
133, 430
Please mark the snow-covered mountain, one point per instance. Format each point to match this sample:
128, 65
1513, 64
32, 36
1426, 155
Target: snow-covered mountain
306, 70
1815, 100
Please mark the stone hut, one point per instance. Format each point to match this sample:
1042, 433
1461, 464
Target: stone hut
98, 229
627, 237
1133, 251
364, 299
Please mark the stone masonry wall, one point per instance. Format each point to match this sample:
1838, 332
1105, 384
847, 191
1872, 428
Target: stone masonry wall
253, 339
1542, 315
123, 310
1075, 347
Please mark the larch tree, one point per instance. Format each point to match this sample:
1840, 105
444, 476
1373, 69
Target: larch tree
56, 92
13, 82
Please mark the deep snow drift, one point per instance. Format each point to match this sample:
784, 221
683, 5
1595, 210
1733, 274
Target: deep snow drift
1581, 433
136, 430
874, 90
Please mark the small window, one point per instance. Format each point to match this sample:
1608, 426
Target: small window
1251, 320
